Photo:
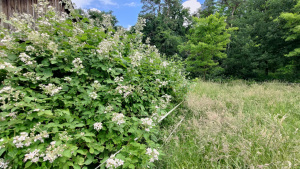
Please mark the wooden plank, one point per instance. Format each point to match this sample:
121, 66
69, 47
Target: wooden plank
34, 2
11, 7
7, 4
29, 7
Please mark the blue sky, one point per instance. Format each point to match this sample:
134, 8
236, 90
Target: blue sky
126, 11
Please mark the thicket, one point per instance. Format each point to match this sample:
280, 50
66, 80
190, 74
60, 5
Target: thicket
73, 94
264, 47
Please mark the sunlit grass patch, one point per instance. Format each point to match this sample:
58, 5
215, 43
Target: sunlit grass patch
237, 125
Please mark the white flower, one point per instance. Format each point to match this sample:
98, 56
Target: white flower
108, 109
136, 59
68, 79
93, 95
33, 156
114, 163
96, 84
6, 89
119, 79
98, 126
6, 65
77, 63
119, 118
30, 48
148, 123
153, 153
167, 97
50, 89
165, 64
25, 58
3, 164
53, 152
53, 143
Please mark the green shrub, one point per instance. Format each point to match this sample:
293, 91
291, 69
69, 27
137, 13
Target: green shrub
73, 94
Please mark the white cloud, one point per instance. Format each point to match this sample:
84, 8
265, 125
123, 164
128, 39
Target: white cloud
108, 2
193, 5
82, 3
128, 27
132, 4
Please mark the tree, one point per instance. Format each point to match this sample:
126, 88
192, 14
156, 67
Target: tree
209, 8
257, 49
207, 40
165, 24
292, 23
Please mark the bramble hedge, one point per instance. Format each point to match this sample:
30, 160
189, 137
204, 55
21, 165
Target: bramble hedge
73, 94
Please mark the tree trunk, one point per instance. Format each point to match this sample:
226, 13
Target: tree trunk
267, 68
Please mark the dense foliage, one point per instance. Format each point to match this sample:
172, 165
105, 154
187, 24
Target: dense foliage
74, 94
265, 46
166, 24
207, 40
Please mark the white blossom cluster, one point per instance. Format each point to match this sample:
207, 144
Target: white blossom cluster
136, 58
2, 54
68, 79
6, 65
12, 115
32, 76
98, 126
6, 89
53, 152
114, 163
36, 38
107, 20
25, 140
96, 84
119, 118
124, 90
64, 136
139, 26
77, 62
148, 123
22, 140
105, 46
167, 97
165, 64
118, 79
53, 47
157, 72
30, 48
93, 95
26, 59
3, 163
161, 83
8, 41
50, 89
108, 109
33, 156
153, 153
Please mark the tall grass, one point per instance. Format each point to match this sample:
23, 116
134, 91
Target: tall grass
235, 125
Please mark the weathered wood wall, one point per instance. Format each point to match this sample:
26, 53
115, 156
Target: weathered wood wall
9, 7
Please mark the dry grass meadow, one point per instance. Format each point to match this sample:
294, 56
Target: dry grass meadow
236, 125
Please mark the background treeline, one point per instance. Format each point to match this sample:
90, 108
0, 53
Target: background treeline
263, 41
226, 39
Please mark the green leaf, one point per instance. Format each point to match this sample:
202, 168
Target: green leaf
45, 113
2, 151
28, 164
83, 152
67, 153
89, 159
